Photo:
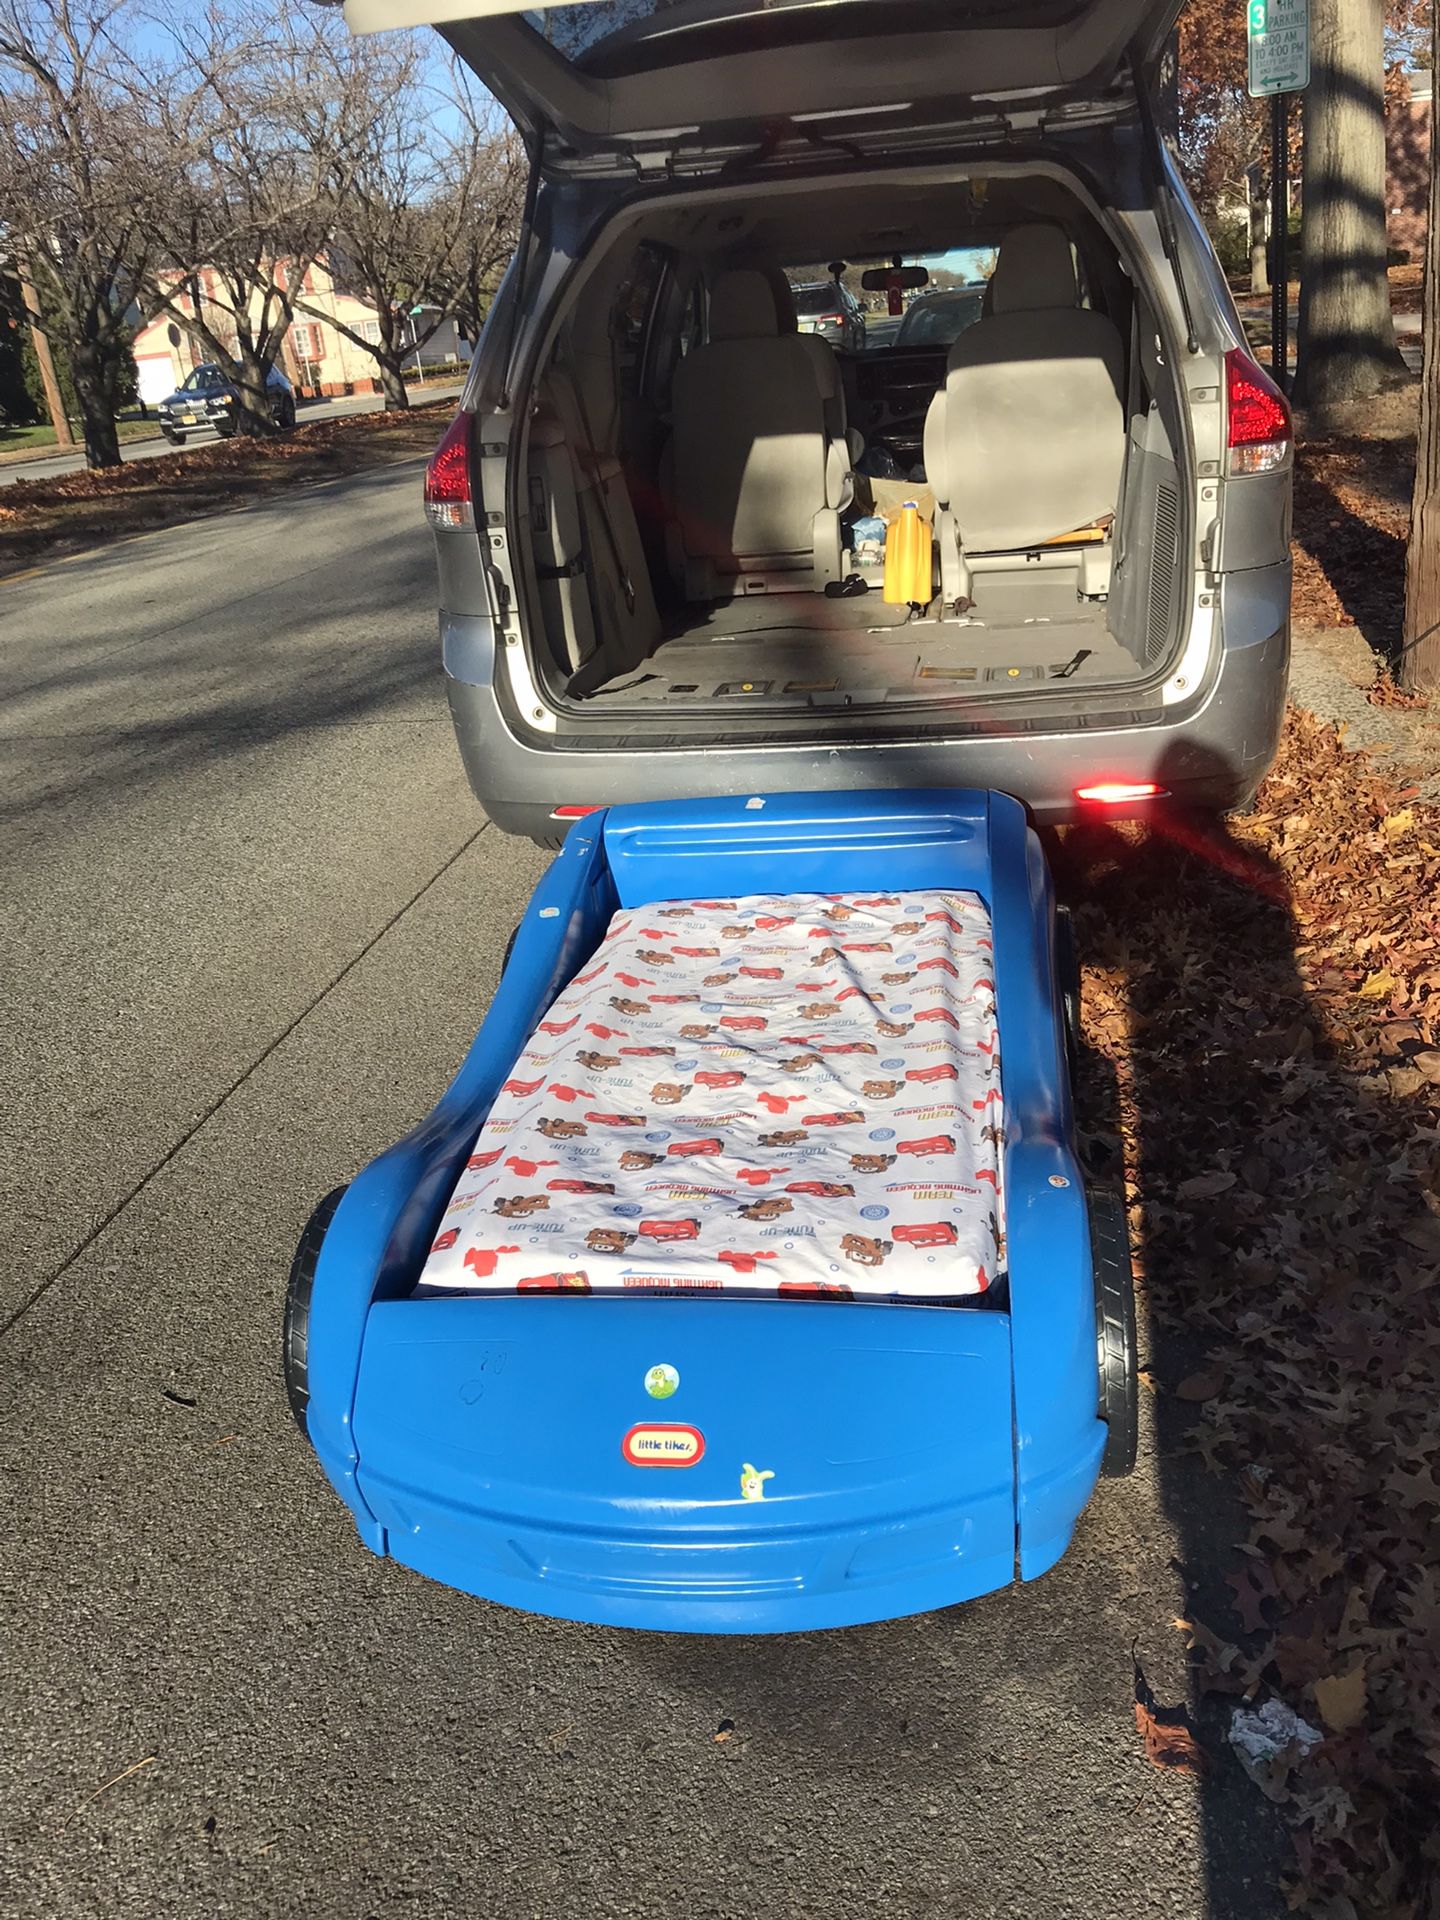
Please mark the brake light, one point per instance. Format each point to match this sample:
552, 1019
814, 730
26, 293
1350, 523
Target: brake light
832, 319
1258, 430
448, 501
571, 813
1116, 793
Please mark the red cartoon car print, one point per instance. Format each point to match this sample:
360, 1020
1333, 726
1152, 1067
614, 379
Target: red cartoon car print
479, 1161
772, 922
554, 1283
669, 1229
946, 966
579, 1186
821, 1189
947, 919
446, 1240
647, 1053
845, 1046
602, 1033
938, 1233
923, 1075
867, 946
814, 1290
558, 1026
684, 1149
523, 1086
758, 973
673, 999
703, 1079
629, 980
562, 1092
617, 1119
743, 1262
847, 1119
933, 1143
939, 1013
482, 1261
744, 1022
700, 953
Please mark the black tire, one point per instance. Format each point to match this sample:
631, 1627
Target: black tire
295, 1344
1067, 971
175, 439
1115, 1332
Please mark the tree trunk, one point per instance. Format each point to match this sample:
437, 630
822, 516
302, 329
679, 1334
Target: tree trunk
1258, 206
54, 404
1420, 657
1347, 347
253, 418
392, 380
94, 388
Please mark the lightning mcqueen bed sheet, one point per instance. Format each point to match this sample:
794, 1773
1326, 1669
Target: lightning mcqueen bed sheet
781, 1093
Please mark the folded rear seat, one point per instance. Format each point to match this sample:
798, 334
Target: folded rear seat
796, 1095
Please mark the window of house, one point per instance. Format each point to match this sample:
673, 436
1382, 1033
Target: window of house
307, 341
369, 330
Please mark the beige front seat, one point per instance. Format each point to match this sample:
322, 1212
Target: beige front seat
756, 481
1026, 440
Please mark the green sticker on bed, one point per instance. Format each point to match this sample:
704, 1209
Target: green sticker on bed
661, 1381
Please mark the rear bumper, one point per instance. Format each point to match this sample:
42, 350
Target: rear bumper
1210, 754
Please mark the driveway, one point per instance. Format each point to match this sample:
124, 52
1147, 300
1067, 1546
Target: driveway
51, 466
254, 918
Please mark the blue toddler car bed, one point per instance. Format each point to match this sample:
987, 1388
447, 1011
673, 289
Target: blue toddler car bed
744, 1279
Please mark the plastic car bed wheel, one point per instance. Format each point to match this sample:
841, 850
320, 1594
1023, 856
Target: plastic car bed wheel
1115, 1332
296, 1338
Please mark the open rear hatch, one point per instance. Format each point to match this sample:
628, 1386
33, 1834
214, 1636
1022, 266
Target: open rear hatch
649, 79
722, 1465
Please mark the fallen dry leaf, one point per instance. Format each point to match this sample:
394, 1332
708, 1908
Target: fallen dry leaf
1378, 986
1200, 1386
1205, 1186
1340, 1698
1168, 1743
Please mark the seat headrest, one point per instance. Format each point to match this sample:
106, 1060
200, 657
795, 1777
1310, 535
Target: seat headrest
1035, 270
742, 307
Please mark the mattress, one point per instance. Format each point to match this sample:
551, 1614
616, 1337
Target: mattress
791, 1094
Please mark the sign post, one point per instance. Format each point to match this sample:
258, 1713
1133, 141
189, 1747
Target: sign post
1278, 38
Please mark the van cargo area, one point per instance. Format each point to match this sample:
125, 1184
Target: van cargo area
704, 482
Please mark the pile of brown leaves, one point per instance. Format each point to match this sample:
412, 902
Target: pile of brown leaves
39, 518
1263, 1005
1352, 522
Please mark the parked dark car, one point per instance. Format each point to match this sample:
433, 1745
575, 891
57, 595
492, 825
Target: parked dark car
939, 319
208, 397
832, 311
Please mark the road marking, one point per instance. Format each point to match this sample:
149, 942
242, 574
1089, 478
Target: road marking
25, 573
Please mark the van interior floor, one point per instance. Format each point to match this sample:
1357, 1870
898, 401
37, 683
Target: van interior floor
803, 646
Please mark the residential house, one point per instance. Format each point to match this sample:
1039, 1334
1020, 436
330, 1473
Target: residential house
1408, 121
316, 356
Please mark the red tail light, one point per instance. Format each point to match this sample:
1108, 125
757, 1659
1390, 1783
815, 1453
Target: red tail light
448, 500
571, 813
1117, 793
1258, 430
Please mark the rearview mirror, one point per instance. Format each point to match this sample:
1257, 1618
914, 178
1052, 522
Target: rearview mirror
882, 279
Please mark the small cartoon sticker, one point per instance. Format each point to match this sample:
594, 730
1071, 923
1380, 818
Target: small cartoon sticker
752, 1483
661, 1381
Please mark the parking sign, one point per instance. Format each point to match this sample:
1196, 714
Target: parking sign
1278, 33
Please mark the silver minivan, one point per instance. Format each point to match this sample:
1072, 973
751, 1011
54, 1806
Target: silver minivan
660, 512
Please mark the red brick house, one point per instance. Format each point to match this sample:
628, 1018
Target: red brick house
1407, 145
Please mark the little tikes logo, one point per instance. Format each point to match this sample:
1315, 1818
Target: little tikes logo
660, 1443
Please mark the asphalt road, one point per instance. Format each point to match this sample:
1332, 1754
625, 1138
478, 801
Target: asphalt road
52, 466
253, 919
